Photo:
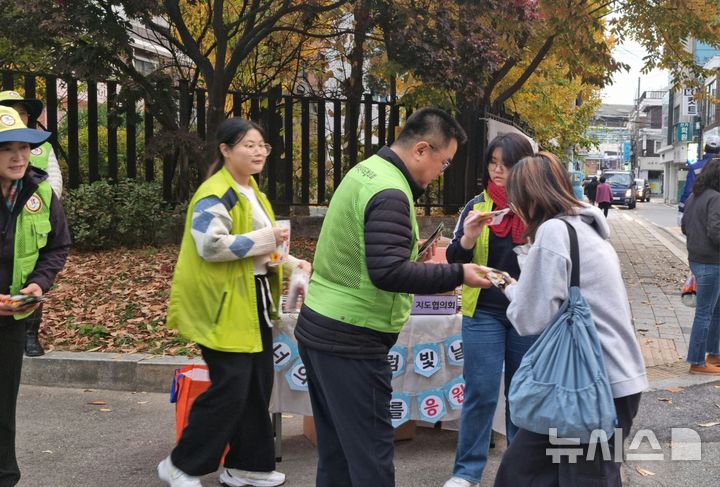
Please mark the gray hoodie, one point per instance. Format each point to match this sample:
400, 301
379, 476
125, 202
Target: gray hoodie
544, 282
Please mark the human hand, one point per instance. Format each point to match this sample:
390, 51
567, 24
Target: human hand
305, 266
472, 227
9, 309
429, 253
474, 276
281, 234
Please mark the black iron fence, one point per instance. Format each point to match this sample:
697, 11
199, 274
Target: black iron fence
97, 138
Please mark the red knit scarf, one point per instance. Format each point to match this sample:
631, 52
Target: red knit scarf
510, 222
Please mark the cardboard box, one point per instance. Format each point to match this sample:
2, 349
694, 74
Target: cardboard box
436, 304
405, 431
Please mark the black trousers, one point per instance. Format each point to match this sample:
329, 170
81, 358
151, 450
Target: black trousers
351, 406
234, 410
605, 206
12, 347
527, 463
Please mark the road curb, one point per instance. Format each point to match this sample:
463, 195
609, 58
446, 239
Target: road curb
101, 370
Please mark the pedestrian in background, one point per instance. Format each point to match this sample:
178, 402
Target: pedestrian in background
358, 299
41, 157
591, 190
34, 244
539, 191
712, 149
490, 343
701, 224
603, 196
223, 296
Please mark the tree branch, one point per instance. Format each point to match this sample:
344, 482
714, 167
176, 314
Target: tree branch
188, 46
527, 73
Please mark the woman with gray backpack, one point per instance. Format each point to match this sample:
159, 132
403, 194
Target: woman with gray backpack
570, 290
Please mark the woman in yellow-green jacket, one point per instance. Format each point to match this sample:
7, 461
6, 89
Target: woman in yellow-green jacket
224, 295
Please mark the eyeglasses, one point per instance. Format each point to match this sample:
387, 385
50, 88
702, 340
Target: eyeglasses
492, 166
446, 163
262, 148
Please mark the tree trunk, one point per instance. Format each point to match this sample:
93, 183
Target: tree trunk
353, 86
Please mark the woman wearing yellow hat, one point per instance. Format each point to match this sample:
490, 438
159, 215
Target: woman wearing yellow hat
41, 157
34, 243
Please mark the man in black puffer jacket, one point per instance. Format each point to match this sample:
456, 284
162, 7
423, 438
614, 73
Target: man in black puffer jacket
359, 298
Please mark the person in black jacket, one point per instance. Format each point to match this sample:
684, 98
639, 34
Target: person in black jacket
701, 224
355, 307
591, 190
32, 223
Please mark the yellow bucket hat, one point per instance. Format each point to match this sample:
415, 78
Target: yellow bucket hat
12, 129
34, 107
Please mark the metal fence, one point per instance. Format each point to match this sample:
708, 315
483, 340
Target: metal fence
311, 151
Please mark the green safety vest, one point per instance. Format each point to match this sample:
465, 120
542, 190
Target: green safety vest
215, 303
480, 256
340, 287
32, 228
39, 156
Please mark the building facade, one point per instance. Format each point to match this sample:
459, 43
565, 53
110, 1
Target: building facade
647, 139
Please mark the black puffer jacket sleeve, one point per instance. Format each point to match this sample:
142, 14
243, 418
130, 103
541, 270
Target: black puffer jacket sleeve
388, 236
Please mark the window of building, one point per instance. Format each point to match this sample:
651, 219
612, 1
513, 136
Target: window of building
144, 66
710, 107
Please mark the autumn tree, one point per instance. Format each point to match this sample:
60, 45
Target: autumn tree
212, 43
484, 52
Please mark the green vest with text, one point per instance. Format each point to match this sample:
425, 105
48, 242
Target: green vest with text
480, 256
31, 234
340, 287
39, 156
215, 303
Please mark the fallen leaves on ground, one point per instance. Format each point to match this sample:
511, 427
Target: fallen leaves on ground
674, 389
116, 301
643, 471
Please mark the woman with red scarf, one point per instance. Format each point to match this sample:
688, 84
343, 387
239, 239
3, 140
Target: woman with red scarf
489, 339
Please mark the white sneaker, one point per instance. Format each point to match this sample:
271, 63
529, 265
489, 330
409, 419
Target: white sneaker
232, 477
458, 482
174, 476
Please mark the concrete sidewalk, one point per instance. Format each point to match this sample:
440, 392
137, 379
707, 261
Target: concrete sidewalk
654, 266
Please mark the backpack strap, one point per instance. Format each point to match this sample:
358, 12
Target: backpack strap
574, 255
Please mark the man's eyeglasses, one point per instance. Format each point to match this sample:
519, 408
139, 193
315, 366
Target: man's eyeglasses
446, 163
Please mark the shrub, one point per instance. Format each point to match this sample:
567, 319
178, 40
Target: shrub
129, 213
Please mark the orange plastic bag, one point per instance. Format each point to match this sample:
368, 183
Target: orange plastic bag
689, 291
189, 382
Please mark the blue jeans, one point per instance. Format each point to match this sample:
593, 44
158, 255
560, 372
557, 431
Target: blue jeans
705, 336
489, 340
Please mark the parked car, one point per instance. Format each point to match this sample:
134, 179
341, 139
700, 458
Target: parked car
623, 187
642, 189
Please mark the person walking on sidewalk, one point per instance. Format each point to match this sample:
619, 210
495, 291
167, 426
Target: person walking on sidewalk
539, 191
490, 343
712, 149
34, 245
223, 296
591, 190
42, 157
603, 196
357, 302
701, 224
